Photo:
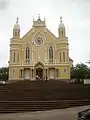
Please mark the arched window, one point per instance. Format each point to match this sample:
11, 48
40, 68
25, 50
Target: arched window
60, 57
62, 33
67, 56
14, 57
51, 54
27, 53
18, 57
15, 34
64, 56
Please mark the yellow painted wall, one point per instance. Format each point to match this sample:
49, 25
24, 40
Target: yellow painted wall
39, 53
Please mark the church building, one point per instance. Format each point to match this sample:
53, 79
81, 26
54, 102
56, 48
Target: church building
39, 52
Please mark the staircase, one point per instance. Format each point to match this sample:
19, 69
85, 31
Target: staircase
39, 95
26, 106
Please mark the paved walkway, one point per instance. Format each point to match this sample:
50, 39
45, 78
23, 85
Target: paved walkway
63, 114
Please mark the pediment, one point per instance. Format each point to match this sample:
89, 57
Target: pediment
47, 36
38, 34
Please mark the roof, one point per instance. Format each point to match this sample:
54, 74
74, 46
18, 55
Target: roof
70, 59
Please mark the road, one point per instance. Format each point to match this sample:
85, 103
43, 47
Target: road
64, 114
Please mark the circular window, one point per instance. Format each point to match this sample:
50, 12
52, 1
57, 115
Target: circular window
39, 41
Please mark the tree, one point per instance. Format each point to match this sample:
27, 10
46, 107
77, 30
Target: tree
88, 74
72, 72
4, 72
80, 71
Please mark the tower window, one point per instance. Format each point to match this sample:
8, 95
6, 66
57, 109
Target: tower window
13, 71
64, 70
18, 57
60, 57
64, 56
67, 56
27, 53
14, 57
21, 73
15, 34
51, 54
62, 33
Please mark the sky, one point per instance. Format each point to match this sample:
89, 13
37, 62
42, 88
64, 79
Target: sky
75, 15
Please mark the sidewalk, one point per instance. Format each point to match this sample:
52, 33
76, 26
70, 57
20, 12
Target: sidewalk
61, 114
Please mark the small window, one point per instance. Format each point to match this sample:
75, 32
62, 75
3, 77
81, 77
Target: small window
60, 57
64, 56
51, 54
62, 33
67, 56
27, 53
18, 57
13, 71
64, 70
15, 34
14, 57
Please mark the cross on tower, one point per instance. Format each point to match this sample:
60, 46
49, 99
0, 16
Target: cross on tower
38, 16
17, 19
61, 19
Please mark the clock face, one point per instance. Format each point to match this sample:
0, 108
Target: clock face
39, 41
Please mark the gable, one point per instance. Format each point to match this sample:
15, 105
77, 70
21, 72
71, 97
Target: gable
46, 35
27, 34
51, 34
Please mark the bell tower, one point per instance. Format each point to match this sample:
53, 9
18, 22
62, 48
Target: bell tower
61, 29
16, 30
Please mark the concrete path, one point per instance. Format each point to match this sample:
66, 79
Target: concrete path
63, 114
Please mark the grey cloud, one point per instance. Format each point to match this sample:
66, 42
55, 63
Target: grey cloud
4, 4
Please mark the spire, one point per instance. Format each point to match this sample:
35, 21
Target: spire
16, 26
38, 16
39, 22
33, 18
60, 19
61, 25
61, 28
16, 29
17, 20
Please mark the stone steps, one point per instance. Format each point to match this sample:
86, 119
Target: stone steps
24, 106
39, 95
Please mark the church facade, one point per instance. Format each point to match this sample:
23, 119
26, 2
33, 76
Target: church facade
39, 52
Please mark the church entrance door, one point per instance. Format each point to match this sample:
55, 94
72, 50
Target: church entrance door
39, 72
52, 73
27, 74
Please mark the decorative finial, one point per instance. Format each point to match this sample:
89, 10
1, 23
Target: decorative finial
38, 16
17, 19
60, 19
33, 18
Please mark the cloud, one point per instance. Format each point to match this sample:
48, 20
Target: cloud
75, 15
4, 4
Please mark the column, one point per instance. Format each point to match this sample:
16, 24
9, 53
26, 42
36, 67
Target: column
46, 55
38, 54
47, 72
46, 75
21, 74
32, 74
32, 53
57, 73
